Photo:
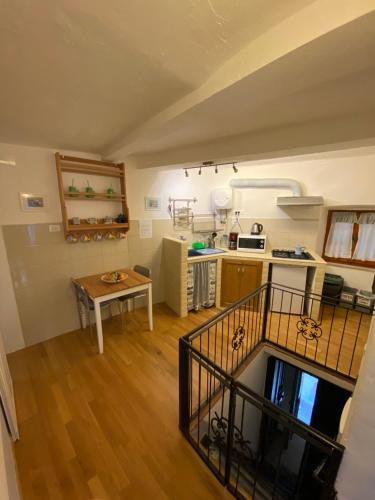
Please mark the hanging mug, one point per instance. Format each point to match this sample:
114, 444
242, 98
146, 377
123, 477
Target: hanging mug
71, 238
85, 238
98, 237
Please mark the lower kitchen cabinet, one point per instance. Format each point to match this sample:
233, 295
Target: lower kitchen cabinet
238, 278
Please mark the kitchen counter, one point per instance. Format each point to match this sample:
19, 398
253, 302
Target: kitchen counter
267, 256
176, 262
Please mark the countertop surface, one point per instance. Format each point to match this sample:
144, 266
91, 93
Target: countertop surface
267, 256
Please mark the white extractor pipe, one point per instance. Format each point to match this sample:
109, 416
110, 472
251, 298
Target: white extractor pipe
291, 184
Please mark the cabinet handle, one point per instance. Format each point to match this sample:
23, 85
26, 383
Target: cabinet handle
243, 269
238, 269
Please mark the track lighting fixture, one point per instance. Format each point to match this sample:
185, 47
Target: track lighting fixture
209, 164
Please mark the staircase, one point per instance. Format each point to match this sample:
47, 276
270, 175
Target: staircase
249, 443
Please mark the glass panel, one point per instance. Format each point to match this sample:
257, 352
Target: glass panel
306, 397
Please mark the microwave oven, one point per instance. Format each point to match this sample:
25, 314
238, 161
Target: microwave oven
251, 243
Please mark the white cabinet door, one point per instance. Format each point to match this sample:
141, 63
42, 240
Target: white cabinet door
282, 298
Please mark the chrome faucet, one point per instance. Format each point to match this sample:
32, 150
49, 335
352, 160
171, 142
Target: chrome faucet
211, 240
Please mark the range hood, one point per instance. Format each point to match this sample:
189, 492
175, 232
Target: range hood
282, 201
287, 201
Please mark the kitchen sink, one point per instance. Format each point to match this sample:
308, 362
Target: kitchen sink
204, 251
193, 253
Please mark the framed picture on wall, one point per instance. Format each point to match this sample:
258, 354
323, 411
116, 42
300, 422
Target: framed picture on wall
152, 203
32, 202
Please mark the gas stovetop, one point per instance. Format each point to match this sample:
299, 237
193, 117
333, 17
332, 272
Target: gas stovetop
291, 254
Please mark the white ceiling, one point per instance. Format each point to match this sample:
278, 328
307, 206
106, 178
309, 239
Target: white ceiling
331, 77
140, 77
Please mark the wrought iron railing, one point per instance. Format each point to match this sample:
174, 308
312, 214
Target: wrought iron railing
242, 436
317, 329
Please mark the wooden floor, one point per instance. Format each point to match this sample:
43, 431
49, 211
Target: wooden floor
340, 345
106, 426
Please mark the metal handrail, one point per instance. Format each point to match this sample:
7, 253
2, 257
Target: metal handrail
225, 312
289, 420
262, 402
195, 350
222, 314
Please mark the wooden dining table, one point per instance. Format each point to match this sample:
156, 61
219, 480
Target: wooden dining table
99, 292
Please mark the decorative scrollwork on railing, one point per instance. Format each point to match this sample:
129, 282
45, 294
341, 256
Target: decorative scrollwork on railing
238, 337
241, 450
309, 328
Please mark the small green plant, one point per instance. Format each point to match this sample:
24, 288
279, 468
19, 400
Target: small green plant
89, 189
72, 189
110, 192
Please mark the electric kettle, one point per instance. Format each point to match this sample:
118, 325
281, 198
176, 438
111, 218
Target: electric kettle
256, 228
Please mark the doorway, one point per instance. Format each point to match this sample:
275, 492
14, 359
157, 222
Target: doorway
287, 457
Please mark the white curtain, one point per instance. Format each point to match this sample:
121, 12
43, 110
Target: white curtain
339, 242
365, 248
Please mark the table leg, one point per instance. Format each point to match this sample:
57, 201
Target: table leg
149, 307
99, 330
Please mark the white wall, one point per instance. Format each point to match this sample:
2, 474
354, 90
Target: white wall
9, 319
356, 477
342, 178
345, 177
254, 377
34, 172
354, 276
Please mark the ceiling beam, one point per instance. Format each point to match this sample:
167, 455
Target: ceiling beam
299, 29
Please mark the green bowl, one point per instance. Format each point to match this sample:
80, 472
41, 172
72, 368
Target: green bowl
198, 245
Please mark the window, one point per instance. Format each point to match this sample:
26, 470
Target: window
350, 238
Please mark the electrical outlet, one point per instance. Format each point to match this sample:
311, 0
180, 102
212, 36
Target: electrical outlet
54, 228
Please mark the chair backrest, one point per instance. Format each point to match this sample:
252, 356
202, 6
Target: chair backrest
81, 293
145, 271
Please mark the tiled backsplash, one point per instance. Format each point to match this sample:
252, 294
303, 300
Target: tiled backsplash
286, 233
42, 265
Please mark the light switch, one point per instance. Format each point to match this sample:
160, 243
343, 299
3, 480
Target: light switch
54, 228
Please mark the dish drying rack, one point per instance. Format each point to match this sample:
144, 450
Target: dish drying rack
182, 215
205, 223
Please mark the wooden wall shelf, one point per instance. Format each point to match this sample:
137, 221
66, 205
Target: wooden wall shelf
98, 227
93, 197
86, 166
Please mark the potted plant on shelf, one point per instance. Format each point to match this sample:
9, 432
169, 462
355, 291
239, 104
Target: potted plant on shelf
110, 192
89, 189
73, 190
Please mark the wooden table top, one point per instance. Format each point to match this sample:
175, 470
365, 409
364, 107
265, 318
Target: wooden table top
95, 287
